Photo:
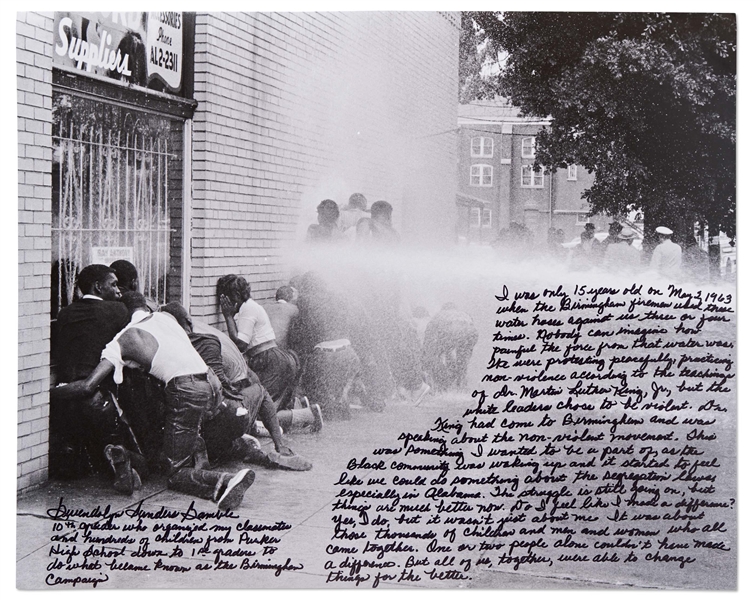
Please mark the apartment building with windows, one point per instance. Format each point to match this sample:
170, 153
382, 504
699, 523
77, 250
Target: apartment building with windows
500, 184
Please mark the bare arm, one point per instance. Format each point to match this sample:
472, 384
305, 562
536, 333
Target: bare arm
83, 387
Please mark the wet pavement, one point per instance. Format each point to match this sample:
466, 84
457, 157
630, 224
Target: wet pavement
302, 499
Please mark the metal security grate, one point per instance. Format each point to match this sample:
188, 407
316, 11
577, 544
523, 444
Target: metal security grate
112, 175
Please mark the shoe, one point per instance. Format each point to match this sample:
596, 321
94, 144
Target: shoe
293, 462
419, 396
235, 489
119, 461
317, 414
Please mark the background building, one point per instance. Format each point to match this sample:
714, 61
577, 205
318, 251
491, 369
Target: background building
196, 145
498, 184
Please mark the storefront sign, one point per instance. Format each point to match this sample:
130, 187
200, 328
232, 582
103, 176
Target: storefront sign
104, 255
164, 47
144, 49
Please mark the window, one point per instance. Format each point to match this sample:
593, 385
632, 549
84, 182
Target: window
481, 175
475, 217
532, 178
116, 191
528, 147
572, 173
582, 218
481, 146
486, 218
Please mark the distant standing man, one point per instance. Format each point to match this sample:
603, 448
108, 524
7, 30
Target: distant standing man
621, 256
667, 257
327, 227
355, 210
378, 229
158, 344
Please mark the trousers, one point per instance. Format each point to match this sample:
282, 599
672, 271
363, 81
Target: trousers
187, 399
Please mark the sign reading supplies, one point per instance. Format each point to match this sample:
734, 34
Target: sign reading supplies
144, 49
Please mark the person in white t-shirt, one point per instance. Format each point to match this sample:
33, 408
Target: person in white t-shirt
156, 343
249, 327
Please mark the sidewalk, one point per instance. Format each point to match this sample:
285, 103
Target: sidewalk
302, 499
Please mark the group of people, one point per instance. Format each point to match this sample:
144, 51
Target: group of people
615, 253
143, 388
353, 222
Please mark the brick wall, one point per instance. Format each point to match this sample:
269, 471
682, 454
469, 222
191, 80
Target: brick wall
295, 108
34, 43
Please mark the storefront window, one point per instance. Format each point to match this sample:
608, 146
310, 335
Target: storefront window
117, 177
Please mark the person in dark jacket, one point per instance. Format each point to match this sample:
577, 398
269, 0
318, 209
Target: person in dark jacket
81, 429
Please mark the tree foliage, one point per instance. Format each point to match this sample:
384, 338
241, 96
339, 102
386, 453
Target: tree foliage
645, 101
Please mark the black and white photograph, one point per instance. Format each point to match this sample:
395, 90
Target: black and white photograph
378, 299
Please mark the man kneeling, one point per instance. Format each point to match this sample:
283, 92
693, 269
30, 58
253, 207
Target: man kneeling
158, 344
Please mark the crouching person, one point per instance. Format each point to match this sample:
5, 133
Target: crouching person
156, 343
227, 433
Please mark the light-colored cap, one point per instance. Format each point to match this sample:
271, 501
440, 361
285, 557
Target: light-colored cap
664, 230
627, 233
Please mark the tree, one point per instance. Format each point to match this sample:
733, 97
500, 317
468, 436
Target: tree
645, 101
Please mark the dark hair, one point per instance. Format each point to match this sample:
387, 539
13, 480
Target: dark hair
125, 271
381, 208
90, 275
357, 200
590, 226
615, 227
134, 301
234, 287
329, 209
285, 292
178, 311
132, 45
